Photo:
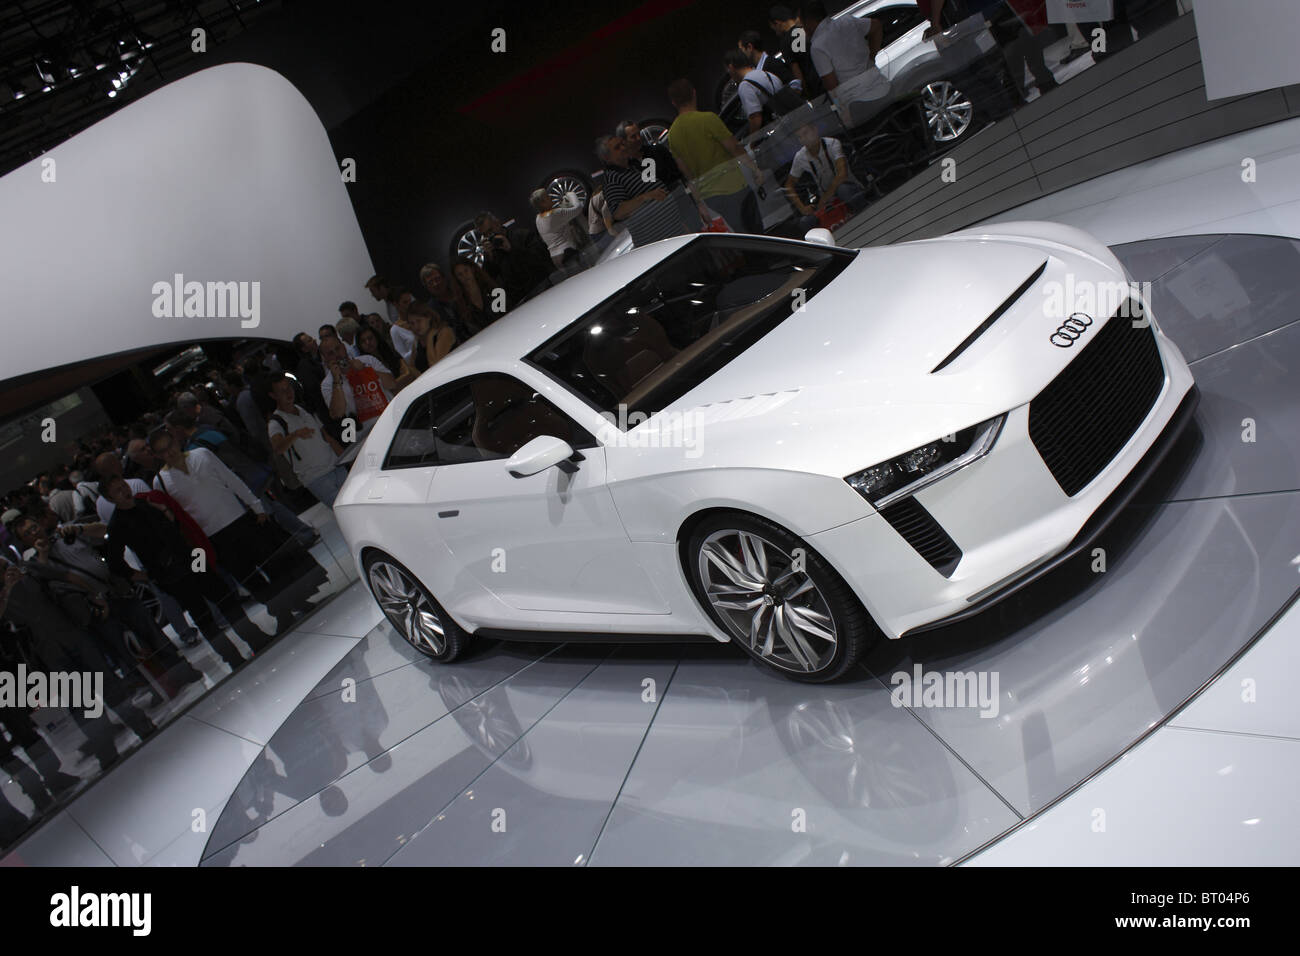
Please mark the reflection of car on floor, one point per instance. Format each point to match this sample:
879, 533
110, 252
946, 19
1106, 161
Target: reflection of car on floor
791, 446
836, 743
941, 91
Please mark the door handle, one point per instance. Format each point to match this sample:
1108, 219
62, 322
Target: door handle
448, 514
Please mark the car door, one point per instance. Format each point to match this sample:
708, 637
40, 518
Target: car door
552, 541
903, 27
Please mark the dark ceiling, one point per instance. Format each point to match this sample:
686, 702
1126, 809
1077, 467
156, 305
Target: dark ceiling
65, 66
409, 87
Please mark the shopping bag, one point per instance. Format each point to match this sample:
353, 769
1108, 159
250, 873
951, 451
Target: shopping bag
716, 223
833, 215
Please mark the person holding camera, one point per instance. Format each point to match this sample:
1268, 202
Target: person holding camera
516, 259
357, 387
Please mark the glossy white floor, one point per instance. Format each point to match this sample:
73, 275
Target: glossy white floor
282, 773
1216, 784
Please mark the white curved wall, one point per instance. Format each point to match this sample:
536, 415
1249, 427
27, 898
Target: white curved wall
224, 176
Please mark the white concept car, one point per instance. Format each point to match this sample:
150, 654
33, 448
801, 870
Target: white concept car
791, 446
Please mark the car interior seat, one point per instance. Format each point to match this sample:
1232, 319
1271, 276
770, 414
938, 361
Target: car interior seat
619, 358
507, 417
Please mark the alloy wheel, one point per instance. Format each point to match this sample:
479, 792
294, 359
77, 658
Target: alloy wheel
654, 133
562, 185
947, 111
409, 609
768, 600
470, 246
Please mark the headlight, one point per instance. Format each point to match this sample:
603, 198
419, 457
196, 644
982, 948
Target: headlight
911, 471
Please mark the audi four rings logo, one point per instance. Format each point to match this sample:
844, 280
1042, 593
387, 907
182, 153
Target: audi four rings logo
1071, 330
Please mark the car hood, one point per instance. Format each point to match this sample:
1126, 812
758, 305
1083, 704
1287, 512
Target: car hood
852, 380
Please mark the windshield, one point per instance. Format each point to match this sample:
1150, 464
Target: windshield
677, 324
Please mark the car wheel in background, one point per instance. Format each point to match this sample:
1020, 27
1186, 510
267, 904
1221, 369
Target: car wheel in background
654, 130
949, 113
776, 597
412, 610
564, 181
724, 91
467, 244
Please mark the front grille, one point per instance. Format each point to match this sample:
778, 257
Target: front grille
1088, 413
909, 518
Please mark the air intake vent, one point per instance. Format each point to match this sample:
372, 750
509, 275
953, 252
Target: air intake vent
1082, 420
988, 323
919, 529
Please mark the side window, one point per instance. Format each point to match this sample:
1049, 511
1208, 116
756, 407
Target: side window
479, 419
413, 444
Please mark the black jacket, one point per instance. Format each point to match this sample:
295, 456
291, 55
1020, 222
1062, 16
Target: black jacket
156, 541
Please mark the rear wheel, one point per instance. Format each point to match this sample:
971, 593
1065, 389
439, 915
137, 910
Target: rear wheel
776, 597
412, 610
949, 113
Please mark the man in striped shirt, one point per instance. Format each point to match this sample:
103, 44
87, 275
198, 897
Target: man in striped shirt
642, 202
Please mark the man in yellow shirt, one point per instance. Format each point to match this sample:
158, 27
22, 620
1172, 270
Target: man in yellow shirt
709, 157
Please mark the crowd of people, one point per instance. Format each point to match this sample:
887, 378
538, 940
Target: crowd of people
178, 520
157, 537
700, 177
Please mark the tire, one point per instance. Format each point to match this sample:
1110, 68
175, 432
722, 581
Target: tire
397, 591
746, 561
654, 130
949, 113
466, 244
563, 181
723, 91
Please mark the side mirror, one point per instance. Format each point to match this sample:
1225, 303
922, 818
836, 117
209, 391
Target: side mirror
823, 237
544, 451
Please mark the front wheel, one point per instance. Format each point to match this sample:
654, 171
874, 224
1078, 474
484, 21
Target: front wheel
413, 611
777, 598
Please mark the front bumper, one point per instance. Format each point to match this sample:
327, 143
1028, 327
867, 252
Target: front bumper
1091, 531
1011, 520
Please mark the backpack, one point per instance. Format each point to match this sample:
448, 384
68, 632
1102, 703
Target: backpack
784, 100
291, 453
